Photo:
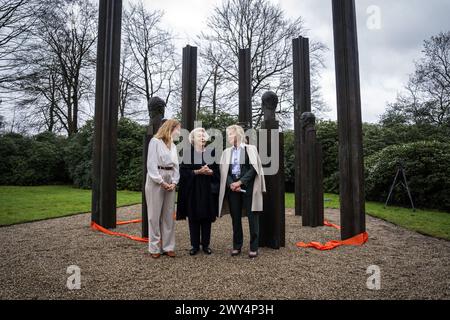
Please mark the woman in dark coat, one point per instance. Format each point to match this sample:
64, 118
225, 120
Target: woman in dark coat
198, 193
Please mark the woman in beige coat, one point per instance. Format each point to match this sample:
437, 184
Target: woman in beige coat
242, 183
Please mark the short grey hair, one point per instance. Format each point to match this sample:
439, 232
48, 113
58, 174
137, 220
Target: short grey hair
193, 132
238, 130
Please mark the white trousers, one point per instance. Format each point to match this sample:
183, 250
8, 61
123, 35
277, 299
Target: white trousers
161, 223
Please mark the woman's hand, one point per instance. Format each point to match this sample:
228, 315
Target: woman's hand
236, 186
168, 187
199, 171
205, 170
165, 186
208, 171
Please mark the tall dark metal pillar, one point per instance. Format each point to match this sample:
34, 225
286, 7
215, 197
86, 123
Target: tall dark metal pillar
302, 104
245, 89
312, 175
272, 221
106, 113
189, 90
349, 119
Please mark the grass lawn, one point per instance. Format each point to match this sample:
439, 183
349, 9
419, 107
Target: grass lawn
23, 204
428, 222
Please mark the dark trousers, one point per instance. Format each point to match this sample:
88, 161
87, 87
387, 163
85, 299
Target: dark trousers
200, 232
236, 202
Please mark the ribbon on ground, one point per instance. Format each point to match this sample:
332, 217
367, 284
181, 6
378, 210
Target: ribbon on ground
121, 223
329, 224
97, 227
357, 240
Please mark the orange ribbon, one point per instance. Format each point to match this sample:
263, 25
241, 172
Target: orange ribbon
97, 227
329, 224
357, 240
121, 223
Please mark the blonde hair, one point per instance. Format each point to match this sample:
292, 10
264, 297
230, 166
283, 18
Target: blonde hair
165, 132
193, 132
239, 132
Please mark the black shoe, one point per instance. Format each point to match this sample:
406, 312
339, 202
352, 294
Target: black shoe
207, 250
193, 251
235, 252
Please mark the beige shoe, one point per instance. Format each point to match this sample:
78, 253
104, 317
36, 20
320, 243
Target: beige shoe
170, 254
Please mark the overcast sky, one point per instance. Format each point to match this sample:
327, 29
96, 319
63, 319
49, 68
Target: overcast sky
387, 46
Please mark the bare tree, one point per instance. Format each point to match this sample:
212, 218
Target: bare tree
153, 51
2, 124
41, 101
61, 64
128, 93
16, 21
264, 28
426, 99
211, 92
432, 78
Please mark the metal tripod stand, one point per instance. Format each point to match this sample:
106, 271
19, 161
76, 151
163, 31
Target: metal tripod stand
400, 170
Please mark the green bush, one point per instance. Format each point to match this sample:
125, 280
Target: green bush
32, 160
289, 161
78, 155
129, 155
327, 134
375, 138
427, 171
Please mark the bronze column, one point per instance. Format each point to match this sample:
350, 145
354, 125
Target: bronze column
351, 168
106, 113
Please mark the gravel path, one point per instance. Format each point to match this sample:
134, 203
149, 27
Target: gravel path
35, 256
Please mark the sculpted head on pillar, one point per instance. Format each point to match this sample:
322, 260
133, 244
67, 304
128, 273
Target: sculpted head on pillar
156, 107
308, 119
269, 105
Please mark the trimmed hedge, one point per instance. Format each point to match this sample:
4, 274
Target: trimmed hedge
34, 160
78, 155
129, 155
50, 159
47, 159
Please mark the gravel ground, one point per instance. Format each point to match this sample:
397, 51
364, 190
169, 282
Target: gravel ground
35, 257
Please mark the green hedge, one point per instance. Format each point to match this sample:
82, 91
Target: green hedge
379, 141
47, 158
427, 170
32, 160
129, 155
78, 155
